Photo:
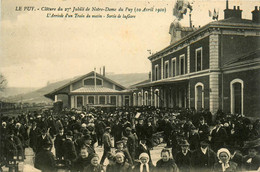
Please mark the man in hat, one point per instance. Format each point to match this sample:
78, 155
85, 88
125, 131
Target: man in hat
131, 142
34, 132
87, 139
107, 144
58, 143
194, 139
140, 128
219, 136
70, 153
251, 162
183, 158
149, 133
100, 129
204, 130
43, 138
45, 160
203, 159
117, 130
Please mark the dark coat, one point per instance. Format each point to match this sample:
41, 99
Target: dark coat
168, 166
69, 150
80, 164
194, 140
183, 161
131, 145
10, 148
124, 167
137, 167
45, 161
254, 165
219, 137
91, 168
34, 133
41, 141
204, 131
203, 162
58, 144
117, 131
232, 167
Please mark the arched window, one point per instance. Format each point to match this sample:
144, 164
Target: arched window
199, 96
156, 98
134, 99
139, 99
236, 96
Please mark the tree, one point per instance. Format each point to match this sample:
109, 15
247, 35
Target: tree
3, 82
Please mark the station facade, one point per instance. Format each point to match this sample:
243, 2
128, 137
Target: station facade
216, 67
91, 90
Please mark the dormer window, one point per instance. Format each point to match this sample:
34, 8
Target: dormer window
91, 81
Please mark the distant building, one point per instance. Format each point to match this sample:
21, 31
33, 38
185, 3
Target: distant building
214, 67
90, 90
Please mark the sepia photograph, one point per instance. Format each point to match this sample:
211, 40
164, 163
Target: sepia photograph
129, 86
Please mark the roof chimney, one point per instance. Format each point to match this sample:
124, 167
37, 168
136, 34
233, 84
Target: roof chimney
226, 4
256, 15
104, 71
235, 12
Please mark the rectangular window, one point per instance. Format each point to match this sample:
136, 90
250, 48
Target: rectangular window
173, 67
91, 100
156, 72
166, 69
182, 65
102, 100
79, 101
198, 59
113, 100
127, 101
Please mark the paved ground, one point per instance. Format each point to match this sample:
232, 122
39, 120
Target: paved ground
27, 165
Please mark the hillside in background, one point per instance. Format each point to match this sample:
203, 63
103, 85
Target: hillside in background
12, 91
37, 96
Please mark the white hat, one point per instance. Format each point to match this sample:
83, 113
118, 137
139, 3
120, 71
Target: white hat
144, 155
223, 150
121, 154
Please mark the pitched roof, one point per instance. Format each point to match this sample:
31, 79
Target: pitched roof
82, 77
92, 89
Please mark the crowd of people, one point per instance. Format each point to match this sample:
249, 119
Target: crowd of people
193, 140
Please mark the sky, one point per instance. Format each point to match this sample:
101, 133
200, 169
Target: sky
36, 49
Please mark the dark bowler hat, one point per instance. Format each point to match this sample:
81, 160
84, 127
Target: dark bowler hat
204, 142
184, 143
87, 137
69, 133
47, 144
